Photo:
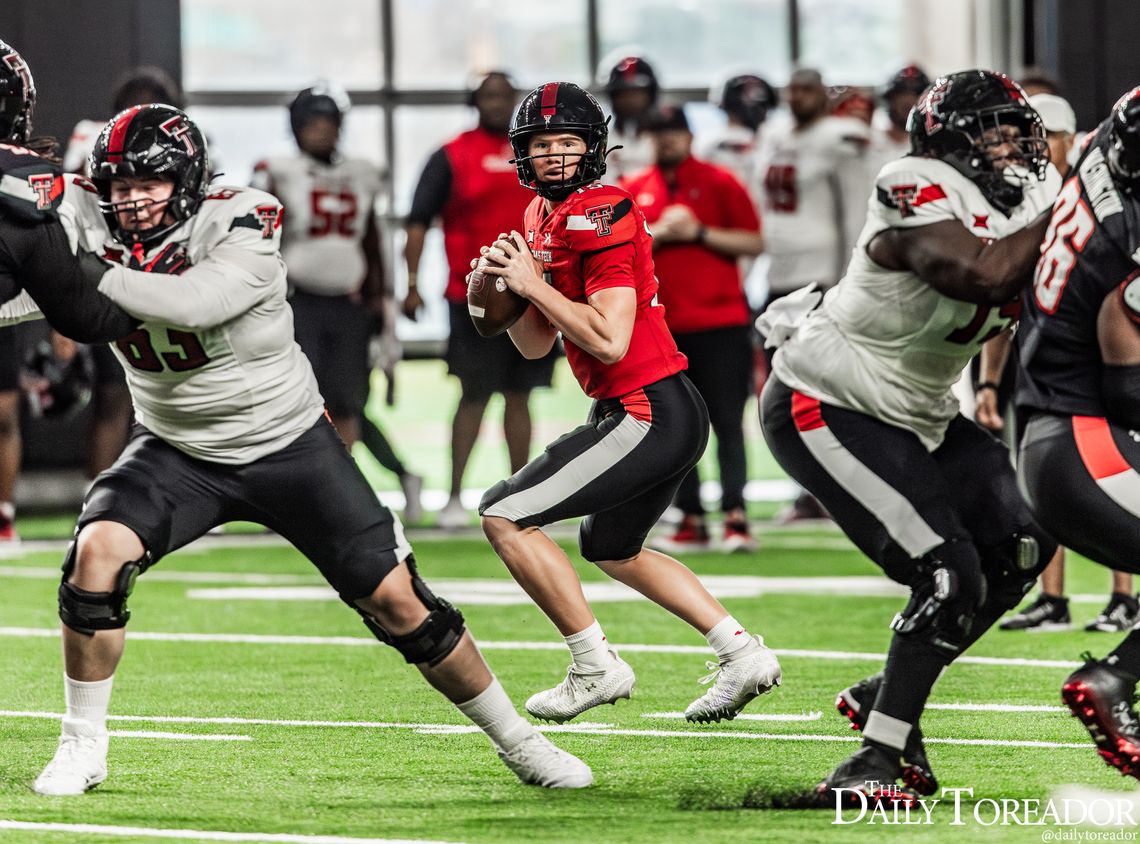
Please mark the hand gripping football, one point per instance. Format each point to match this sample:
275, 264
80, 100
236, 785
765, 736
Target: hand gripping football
493, 306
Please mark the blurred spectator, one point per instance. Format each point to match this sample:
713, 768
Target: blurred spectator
745, 100
470, 185
813, 196
853, 102
111, 407
899, 96
331, 244
703, 220
632, 88
1035, 80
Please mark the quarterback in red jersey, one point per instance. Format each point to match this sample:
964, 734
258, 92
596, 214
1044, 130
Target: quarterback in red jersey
585, 263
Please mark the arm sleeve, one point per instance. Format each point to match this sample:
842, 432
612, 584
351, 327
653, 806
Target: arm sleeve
907, 199
242, 269
611, 267
432, 191
65, 286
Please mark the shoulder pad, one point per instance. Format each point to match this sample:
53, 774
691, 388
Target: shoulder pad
31, 186
909, 188
598, 219
248, 208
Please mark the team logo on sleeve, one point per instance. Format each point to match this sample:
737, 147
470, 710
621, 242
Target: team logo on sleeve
177, 128
269, 216
902, 198
602, 216
45, 188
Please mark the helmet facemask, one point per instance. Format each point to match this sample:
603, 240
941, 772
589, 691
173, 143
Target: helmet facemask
590, 165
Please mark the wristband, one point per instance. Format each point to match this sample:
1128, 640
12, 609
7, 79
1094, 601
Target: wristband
702, 235
412, 278
989, 385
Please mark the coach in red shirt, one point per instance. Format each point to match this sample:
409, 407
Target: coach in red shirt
703, 221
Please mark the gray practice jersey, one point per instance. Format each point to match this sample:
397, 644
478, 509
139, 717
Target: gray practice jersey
886, 343
213, 370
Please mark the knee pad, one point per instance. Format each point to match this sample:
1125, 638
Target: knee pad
944, 598
433, 640
1013, 566
85, 612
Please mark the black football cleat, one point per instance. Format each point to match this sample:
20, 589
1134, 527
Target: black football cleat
1102, 700
871, 772
855, 702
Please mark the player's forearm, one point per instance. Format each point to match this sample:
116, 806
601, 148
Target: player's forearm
994, 354
1003, 267
584, 325
206, 295
414, 246
735, 243
533, 335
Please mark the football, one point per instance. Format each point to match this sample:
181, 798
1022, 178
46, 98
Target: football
493, 306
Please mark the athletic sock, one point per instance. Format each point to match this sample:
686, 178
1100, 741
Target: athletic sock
728, 638
492, 712
1126, 658
88, 701
912, 669
589, 649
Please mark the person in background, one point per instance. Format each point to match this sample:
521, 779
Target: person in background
899, 96
997, 375
470, 185
745, 100
703, 221
813, 197
632, 88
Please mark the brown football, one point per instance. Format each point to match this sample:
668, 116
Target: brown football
493, 306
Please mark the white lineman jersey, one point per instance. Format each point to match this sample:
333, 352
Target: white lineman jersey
812, 186
328, 210
213, 370
886, 343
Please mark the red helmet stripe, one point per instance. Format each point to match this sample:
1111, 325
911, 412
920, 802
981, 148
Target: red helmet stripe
549, 99
119, 135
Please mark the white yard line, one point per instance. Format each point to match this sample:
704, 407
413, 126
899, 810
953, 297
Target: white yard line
586, 728
360, 641
147, 734
770, 716
200, 834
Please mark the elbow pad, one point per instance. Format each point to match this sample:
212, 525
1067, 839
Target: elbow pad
1120, 389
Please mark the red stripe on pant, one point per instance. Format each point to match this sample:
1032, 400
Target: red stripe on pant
806, 412
637, 405
1097, 449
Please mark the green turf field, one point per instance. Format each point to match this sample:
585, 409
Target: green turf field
384, 765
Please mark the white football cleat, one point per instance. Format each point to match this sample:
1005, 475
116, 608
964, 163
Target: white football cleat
412, 486
453, 516
536, 761
80, 761
738, 680
581, 691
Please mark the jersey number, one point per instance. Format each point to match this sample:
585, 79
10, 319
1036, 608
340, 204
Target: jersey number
967, 334
1069, 230
333, 213
141, 354
780, 186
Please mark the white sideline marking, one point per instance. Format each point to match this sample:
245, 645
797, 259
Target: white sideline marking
359, 641
585, 728
763, 716
202, 834
996, 707
177, 736
502, 592
53, 573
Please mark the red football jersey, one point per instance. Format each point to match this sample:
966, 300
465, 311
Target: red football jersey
595, 239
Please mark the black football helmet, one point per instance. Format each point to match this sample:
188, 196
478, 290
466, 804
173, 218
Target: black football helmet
632, 72
1124, 149
960, 119
748, 98
560, 107
17, 96
151, 141
321, 100
911, 79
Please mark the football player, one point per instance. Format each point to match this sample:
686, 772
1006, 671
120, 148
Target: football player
1079, 392
632, 88
860, 409
37, 275
586, 266
331, 245
231, 425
